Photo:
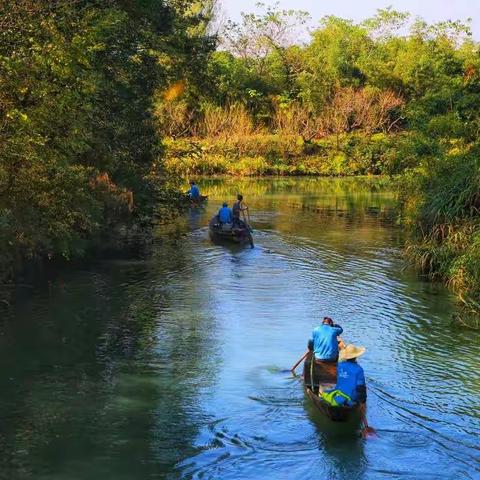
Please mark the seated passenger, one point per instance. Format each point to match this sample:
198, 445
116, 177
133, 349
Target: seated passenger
324, 341
350, 388
225, 215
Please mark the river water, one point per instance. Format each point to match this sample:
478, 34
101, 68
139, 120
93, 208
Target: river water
174, 366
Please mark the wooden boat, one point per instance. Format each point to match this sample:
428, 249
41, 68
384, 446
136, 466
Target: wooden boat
196, 202
241, 233
325, 375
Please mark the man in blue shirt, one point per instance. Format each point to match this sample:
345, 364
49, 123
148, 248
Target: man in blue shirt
350, 387
225, 215
194, 192
324, 341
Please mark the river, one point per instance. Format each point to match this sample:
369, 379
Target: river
173, 366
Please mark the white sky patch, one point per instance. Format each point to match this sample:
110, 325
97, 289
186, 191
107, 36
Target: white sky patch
432, 11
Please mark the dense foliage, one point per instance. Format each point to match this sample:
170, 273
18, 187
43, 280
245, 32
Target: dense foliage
78, 146
387, 75
388, 95
89, 88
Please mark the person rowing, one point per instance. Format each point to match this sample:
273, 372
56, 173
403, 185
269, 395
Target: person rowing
194, 192
237, 209
325, 340
351, 388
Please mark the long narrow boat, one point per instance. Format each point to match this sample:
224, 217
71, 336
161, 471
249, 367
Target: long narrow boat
325, 375
239, 234
197, 202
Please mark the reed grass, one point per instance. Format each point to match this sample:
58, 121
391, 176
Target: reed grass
441, 201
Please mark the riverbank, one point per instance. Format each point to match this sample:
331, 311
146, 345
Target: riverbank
128, 237
283, 155
436, 180
80, 157
440, 203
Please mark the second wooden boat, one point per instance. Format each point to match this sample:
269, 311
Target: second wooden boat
325, 376
241, 233
196, 202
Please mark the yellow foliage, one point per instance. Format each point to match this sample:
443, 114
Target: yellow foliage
121, 196
174, 91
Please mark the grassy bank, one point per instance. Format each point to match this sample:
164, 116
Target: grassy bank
440, 201
270, 154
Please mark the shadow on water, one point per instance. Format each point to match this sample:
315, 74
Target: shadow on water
97, 378
229, 246
340, 446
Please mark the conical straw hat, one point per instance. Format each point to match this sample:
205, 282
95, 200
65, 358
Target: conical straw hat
351, 351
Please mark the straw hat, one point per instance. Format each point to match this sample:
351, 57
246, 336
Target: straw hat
351, 351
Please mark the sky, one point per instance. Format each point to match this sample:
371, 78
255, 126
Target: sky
431, 10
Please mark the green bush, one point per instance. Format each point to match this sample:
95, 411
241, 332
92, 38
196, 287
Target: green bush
440, 200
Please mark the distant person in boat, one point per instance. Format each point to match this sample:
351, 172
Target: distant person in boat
350, 388
325, 342
225, 216
237, 209
194, 191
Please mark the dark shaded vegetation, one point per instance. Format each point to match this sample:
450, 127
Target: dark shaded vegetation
80, 155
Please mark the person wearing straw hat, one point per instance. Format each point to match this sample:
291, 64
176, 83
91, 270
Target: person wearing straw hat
350, 388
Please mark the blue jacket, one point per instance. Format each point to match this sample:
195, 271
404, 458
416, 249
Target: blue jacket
225, 215
350, 377
194, 192
324, 342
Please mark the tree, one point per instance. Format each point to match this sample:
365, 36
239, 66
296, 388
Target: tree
77, 138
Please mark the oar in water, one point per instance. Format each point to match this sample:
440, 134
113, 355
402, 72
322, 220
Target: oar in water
367, 430
248, 216
300, 361
247, 223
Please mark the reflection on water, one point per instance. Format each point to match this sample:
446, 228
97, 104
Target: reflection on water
174, 367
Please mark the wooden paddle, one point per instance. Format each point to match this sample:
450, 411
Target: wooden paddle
247, 223
300, 361
367, 430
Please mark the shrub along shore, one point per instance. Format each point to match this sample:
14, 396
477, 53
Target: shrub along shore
270, 154
81, 161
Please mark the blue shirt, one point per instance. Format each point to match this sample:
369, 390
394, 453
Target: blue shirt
225, 215
194, 192
349, 376
325, 343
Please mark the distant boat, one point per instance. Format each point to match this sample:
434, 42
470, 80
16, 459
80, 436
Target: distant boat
325, 374
241, 233
196, 202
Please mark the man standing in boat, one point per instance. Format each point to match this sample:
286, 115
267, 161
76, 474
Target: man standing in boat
237, 209
325, 342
